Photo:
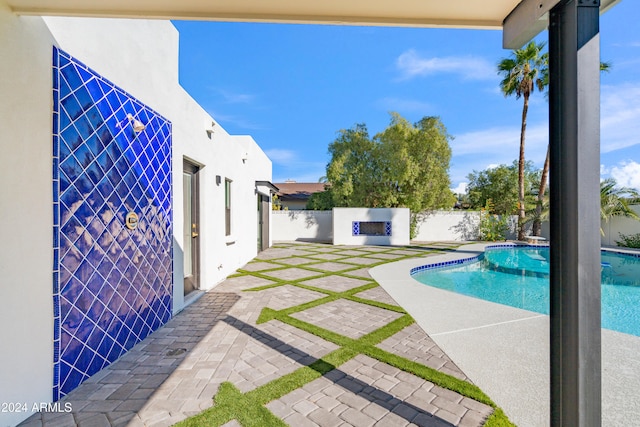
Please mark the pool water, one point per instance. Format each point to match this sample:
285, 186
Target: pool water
519, 277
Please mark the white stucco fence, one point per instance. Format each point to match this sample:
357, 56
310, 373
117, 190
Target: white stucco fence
619, 225
302, 225
433, 226
317, 226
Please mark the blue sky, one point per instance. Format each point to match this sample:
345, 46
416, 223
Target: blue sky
293, 87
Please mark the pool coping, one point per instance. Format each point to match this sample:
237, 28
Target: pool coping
505, 350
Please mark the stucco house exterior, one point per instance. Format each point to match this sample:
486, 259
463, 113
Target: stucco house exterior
139, 69
122, 198
295, 195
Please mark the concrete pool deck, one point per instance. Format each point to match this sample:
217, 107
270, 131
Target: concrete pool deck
505, 350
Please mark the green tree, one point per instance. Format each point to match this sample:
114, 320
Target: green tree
403, 166
415, 159
350, 170
321, 201
524, 71
496, 188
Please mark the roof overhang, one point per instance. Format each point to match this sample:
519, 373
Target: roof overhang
266, 187
415, 13
530, 17
521, 20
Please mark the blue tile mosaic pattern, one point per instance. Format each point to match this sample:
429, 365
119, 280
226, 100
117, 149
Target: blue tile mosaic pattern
462, 261
444, 264
112, 286
356, 228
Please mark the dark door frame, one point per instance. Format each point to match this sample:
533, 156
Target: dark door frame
192, 282
263, 222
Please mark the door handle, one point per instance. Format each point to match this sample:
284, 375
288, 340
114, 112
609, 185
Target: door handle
194, 234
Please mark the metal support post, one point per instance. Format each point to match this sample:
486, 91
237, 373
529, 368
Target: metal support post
574, 137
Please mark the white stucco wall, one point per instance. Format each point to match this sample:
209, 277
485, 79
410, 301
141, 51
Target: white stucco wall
611, 229
434, 226
302, 225
26, 254
142, 58
344, 217
619, 225
448, 225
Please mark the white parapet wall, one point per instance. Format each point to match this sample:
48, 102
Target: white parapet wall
302, 225
432, 226
448, 225
371, 226
618, 225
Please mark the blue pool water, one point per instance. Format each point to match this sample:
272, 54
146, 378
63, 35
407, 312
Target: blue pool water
519, 277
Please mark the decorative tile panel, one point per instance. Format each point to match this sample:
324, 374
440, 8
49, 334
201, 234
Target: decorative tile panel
112, 286
371, 228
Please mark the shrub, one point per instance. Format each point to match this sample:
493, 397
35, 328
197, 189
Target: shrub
629, 241
492, 227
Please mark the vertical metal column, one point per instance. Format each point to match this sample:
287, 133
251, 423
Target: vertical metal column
574, 120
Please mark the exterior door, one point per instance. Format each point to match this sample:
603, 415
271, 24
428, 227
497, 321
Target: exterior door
191, 228
263, 222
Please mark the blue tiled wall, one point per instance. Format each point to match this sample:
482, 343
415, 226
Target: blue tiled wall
112, 286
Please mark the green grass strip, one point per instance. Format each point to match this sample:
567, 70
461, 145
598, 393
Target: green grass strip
498, 419
248, 408
230, 404
378, 304
325, 334
432, 375
301, 376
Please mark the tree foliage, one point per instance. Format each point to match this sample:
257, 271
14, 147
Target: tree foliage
403, 166
321, 201
499, 187
615, 201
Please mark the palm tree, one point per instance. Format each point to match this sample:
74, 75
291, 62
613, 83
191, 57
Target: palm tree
538, 215
523, 72
614, 201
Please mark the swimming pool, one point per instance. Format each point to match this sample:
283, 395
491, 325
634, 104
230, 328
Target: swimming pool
518, 276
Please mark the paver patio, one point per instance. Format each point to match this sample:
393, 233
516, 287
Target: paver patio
304, 335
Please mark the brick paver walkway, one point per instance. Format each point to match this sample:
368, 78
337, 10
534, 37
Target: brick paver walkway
178, 370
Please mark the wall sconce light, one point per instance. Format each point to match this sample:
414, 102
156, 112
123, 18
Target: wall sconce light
210, 129
245, 156
218, 179
138, 126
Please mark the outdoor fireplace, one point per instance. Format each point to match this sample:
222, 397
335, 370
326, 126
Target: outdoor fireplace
371, 226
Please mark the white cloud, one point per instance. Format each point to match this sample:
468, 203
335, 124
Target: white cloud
411, 65
300, 177
620, 116
281, 156
231, 119
234, 97
627, 174
502, 144
287, 165
461, 188
404, 105
630, 44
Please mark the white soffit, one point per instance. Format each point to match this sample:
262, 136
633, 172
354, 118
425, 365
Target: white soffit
415, 13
